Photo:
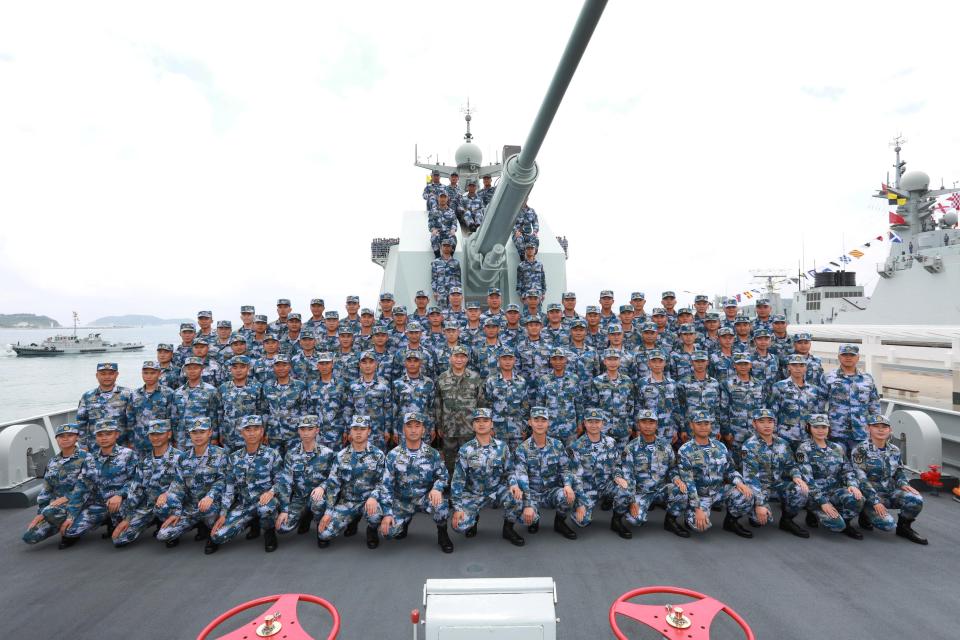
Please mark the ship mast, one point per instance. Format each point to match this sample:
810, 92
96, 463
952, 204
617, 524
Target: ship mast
76, 318
899, 167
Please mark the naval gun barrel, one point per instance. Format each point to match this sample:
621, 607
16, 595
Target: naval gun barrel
520, 171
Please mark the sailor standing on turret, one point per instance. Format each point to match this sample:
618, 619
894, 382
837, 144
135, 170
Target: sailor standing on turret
526, 229
432, 190
472, 205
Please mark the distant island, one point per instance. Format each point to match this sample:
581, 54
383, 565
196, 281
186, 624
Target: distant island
134, 320
27, 321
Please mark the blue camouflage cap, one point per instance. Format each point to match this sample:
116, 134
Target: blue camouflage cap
331, 315
533, 318
638, 295
473, 305
763, 413
344, 330
849, 349
451, 324
648, 326
399, 310
386, 295
712, 315
414, 354
686, 327
456, 290
798, 359
491, 322
353, 299
779, 318
420, 294
481, 412
494, 291
592, 308
203, 341
729, 302
434, 309
205, 314
260, 318
626, 308
568, 295
725, 331
654, 354
700, 355
107, 366
741, 319
251, 421
614, 328
193, 360
761, 333
308, 421
240, 360
317, 301
554, 306
413, 416
701, 415
742, 357
539, 412
164, 346
532, 293
367, 312
878, 418
606, 293
512, 307
802, 337
237, 337
308, 335
818, 420
158, 426
414, 327
668, 294
460, 350
360, 422
368, 355
281, 301
646, 414
578, 323
684, 310
64, 429
270, 338
701, 298
658, 311
558, 352
224, 324
447, 240
106, 425
611, 353
506, 353
247, 308
594, 413
201, 423
763, 302
325, 356
294, 317
150, 364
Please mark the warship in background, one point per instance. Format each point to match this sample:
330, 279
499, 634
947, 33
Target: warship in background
61, 345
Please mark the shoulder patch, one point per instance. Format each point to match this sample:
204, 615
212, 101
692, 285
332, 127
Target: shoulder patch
801, 457
857, 456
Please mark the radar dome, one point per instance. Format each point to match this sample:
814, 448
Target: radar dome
950, 219
915, 181
468, 153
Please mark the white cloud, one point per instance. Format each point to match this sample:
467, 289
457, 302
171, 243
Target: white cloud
209, 155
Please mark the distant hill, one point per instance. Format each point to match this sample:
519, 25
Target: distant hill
133, 320
27, 320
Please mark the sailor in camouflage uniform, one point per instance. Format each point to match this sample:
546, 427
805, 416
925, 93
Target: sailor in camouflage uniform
285, 400
486, 194
445, 272
485, 355
169, 375
188, 332
533, 352
194, 399
569, 301
835, 497
300, 489
741, 396
513, 331
101, 487
260, 327
442, 224
414, 392
414, 480
240, 396
648, 469
595, 459
290, 339
506, 393
148, 498
107, 401
59, 479
721, 359
708, 473
350, 490
279, 326
771, 471
851, 397
763, 319
432, 190
346, 364
698, 392
616, 393
560, 393
263, 367
793, 401
658, 392
150, 402
220, 348
247, 313
526, 229
211, 373
483, 477
472, 205
303, 364
802, 342
766, 365
883, 481
555, 332
371, 396
250, 490
195, 494
328, 338
583, 359
326, 399
459, 392
542, 470
680, 365
530, 273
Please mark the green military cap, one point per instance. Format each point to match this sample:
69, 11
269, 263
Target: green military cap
158, 426
459, 350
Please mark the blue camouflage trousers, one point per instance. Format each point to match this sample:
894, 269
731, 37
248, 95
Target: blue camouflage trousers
590, 498
297, 509
403, 512
706, 502
188, 520
341, 514
238, 517
550, 499
787, 491
139, 520
844, 502
667, 495
91, 517
502, 498
53, 517
909, 505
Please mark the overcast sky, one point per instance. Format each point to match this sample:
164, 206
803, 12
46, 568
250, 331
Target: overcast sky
208, 155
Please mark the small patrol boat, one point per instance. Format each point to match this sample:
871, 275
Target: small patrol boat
61, 345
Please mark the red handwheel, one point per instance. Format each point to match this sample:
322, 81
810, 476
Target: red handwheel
690, 622
280, 621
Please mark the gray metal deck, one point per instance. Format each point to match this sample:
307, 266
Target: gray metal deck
824, 587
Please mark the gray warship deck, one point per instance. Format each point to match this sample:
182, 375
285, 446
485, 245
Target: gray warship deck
825, 587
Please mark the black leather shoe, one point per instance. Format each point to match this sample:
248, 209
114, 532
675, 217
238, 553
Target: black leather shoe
170, 544
270, 540
443, 539
852, 532
323, 544
403, 531
787, 524
670, 524
733, 525
512, 536
619, 527
109, 532
373, 537
904, 530
203, 532
471, 532
210, 547
66, 542
812, 521
351, 529
254, 531
533, 528
306, 519
560, 526
606, 504
864, 521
